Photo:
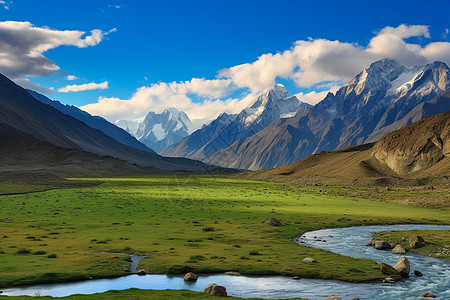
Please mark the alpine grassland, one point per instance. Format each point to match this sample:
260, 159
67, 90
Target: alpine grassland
204, 224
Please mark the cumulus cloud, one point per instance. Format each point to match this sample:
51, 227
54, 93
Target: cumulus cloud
321, 64
71, 77
84, 87
22, 47
312, 61
315, 97
159, 96
5, 4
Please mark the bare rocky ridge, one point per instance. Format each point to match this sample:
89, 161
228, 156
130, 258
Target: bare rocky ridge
385, 97
417, 151
416, 147
272, 104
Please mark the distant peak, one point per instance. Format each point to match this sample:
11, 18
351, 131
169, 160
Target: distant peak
386, 64
438, 65
171, 110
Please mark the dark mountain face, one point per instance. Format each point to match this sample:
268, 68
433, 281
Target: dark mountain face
20, 112
381, 99
273, 104
96, 122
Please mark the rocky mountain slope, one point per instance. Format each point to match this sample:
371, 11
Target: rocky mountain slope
382, 98
159, 131
23, 115
96, 122
272, 104
419, 150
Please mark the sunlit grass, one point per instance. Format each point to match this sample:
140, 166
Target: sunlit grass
180, 219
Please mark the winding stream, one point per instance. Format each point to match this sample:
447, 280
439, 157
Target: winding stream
349, 241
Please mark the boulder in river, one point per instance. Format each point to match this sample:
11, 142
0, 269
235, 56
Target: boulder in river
273, 222
354, 298
232, 273
418, 273
379, 245
388, 269
296, 277
309, 259
388, 280
427, 295
402, 266
416, 241
190, 276
142, 272
399, 249
333, 297
215, 290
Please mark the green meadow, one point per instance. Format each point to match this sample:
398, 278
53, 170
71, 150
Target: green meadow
203, 224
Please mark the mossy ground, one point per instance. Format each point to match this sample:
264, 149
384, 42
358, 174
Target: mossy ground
202, 223
437, 242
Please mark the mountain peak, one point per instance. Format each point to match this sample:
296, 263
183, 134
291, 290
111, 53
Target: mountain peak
164, 129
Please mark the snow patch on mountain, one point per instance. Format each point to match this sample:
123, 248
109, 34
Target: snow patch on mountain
403, 83
159, 132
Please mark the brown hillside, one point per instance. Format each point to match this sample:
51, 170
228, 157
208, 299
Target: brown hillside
419, 150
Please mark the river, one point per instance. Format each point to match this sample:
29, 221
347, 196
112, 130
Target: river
350, 241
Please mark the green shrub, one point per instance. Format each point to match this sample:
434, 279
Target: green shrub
23, 251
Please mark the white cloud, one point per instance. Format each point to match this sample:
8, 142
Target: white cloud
312, 61
22, 47
5, 4
158, 97
315, 97
317, 63
71, 77
84, 87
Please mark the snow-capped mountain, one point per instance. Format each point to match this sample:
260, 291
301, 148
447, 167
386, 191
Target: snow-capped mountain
272, 104
158, 131
382, 98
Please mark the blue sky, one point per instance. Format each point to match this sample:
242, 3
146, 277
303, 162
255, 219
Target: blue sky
155, 42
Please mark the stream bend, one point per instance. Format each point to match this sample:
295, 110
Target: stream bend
350, 241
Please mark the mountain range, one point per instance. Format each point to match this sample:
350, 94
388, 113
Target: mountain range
272, 104
413, 154
96, 122
30, 122
382, 98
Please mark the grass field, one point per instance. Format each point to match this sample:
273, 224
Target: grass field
200, 223
437, 242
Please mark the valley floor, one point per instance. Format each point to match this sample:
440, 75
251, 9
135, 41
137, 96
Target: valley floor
199, 223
